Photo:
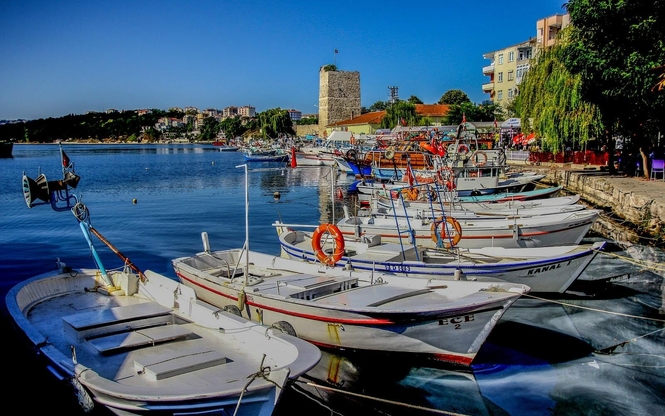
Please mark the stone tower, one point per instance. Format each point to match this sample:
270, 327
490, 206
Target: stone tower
339, 96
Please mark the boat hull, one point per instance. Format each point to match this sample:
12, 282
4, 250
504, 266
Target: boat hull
538, 231
63, 316
548, 270
415, 327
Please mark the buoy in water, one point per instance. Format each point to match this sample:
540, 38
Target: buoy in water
276, 195
134, 201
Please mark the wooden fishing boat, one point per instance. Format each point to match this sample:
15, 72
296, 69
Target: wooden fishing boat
140, 343
537, 231
544, 269
351, 310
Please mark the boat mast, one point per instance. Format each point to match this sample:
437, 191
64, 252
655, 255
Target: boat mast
246, 224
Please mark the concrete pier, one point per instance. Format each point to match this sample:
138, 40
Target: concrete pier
635, 207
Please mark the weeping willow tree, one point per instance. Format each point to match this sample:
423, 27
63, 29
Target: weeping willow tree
275, 121
400, 112
551, 97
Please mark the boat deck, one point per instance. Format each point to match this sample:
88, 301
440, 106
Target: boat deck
133, 342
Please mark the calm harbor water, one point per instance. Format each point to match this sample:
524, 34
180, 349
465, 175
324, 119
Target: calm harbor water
597, 351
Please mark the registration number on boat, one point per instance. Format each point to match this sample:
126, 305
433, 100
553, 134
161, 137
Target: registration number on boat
457, 321
401, 268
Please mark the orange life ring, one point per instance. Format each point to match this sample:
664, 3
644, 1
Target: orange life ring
473, 174
450, 184
333, 230
443, 235
474, 159
463, 146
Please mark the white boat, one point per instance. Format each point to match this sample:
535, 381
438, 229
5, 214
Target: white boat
337, 308
456, 204
148, 345
537, 231
543, 269
386, 207
141, 343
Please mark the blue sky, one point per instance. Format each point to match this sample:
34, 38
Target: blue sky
70, 57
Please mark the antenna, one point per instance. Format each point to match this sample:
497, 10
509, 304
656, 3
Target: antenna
392, 93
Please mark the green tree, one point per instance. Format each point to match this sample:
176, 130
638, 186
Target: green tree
379, 106
614, 47
454, 97
487, 111
401, 112
551, 97
209, 129
414, 100
232, 127
274, 122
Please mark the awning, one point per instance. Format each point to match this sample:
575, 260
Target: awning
511, 123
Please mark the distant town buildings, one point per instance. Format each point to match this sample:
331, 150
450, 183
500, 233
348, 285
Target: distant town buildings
295, 114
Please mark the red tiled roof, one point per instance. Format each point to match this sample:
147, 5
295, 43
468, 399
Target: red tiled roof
426, 110
432, 110
374, 117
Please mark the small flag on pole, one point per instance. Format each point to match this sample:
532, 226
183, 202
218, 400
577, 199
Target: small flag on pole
336, 51
463, 118
495, 124
65, 160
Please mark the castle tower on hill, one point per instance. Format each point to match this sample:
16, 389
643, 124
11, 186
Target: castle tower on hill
339, 96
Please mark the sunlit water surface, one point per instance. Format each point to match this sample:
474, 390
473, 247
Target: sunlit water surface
561, 355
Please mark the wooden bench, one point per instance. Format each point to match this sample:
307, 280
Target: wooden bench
85, 325
145, 337
169, 363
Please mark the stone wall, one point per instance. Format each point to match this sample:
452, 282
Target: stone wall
634, 208
339, 96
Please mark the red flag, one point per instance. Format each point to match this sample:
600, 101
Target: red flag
401, 120
463, 118
409, 175
495, 124
65, 160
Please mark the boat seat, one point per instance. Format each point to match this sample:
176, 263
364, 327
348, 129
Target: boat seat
85, 325
167, 363
135, 339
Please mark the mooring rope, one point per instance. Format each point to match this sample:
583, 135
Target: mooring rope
263, 373
594, 309
411, 406
644, 264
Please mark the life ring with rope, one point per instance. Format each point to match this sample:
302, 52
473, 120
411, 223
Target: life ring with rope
474, 159
462, 149
389, 153
449, 240
338, 252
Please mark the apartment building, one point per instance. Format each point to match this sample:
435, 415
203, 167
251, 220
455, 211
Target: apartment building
506, 70
508, 66
247, 111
